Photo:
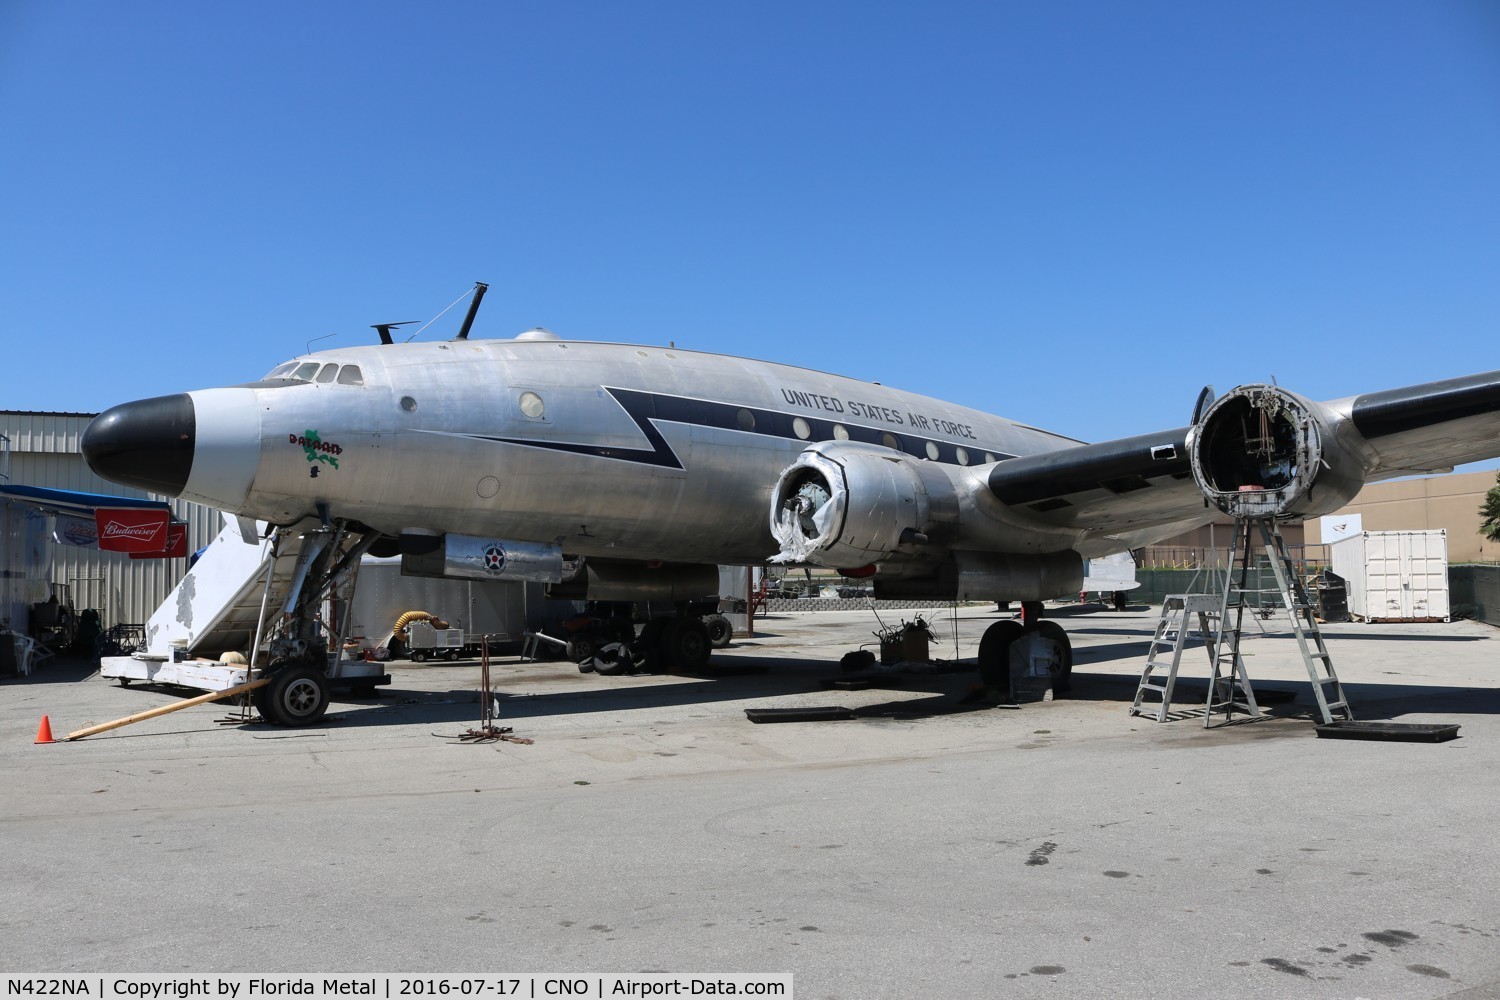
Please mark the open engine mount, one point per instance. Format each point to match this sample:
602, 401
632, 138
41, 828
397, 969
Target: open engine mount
1259, 451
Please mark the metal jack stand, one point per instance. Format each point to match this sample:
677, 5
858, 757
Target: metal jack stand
489, 731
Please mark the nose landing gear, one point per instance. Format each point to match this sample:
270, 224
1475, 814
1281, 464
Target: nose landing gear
307, 571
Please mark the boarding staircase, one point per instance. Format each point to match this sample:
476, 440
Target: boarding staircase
237, 589
216, 606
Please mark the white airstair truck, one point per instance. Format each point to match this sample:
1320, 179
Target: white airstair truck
241, 608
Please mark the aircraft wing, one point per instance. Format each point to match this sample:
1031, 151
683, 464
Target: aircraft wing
1257, 449
1110, 488
1431, 427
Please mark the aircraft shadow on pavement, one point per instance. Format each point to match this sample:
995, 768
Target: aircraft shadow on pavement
748, 679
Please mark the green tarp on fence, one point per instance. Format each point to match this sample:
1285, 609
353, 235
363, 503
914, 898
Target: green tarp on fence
1474, 592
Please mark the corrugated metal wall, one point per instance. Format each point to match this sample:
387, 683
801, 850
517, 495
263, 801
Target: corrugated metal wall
44, 452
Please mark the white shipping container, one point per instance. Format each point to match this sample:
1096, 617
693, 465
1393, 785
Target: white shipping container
1395, 576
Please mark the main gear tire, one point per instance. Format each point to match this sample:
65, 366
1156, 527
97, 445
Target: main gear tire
994, 653
1062, 667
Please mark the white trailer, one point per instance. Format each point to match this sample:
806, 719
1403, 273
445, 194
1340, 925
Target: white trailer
495, 608
1395, 576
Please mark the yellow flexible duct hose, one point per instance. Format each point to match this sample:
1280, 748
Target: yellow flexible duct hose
411, 616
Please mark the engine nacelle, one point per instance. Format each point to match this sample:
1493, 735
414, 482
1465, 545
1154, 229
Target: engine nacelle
1261, 451
845, 503
620, 580
990, 576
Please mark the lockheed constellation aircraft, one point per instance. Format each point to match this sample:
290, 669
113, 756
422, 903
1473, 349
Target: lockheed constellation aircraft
616, 472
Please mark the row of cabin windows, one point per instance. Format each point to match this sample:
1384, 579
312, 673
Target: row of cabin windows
803, 430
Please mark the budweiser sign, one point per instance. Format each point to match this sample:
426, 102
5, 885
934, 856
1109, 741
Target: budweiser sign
126, 529
176, 544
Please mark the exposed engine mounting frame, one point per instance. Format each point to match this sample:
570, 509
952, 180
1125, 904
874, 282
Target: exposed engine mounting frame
1258, 450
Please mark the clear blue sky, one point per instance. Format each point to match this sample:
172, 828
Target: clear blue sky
1074, 214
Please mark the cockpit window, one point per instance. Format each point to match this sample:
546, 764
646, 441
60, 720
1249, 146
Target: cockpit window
322, 372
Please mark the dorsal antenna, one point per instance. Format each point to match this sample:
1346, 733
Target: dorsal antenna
385, 329
479, 289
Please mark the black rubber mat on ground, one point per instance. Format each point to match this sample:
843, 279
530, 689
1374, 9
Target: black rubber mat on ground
815, 713
1396, 732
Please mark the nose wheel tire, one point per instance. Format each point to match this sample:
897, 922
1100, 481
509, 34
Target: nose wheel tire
296, 696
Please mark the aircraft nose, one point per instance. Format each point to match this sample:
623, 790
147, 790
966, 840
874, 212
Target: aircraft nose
147, 444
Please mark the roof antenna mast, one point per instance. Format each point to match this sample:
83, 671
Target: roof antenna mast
479, 289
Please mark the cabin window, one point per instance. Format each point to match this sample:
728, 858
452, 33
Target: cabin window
890, 441
801, 428
932, 450
963, 456
408, 404
351, 375
989, 458
745, 419
841, 432
531, 405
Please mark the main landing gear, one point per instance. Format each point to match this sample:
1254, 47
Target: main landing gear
1011, 651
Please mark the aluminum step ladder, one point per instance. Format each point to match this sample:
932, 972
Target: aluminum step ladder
1229, 688
1172, 629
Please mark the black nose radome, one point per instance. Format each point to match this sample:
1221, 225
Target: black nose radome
147, 444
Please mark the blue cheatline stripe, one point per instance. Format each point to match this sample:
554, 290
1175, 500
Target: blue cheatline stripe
646, 407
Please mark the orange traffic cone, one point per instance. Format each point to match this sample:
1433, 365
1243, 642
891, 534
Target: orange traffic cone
44, 731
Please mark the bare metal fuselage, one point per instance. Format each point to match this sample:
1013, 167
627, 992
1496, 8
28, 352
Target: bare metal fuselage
636, 453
